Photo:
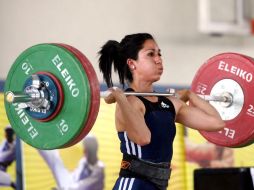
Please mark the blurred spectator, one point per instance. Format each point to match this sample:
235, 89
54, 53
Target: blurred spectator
7, 156
89, 174
208, 155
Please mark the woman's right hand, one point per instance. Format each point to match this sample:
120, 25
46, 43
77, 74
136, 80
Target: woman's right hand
115, 95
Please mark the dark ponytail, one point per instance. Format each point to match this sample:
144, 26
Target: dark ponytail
113, 52
109, 54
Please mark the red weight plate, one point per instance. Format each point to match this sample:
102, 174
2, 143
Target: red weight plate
95, 94
250, 110
239, 130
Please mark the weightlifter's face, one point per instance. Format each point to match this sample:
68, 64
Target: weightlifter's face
149, 63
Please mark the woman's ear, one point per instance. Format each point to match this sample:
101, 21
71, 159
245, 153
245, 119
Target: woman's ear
131, 65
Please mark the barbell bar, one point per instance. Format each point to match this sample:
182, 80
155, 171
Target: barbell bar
222, 98
61, 81
20, 97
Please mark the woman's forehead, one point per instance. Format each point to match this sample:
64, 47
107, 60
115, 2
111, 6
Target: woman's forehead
150, 44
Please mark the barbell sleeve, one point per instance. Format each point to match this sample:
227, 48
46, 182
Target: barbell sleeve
21, 97
15, 97
214, 98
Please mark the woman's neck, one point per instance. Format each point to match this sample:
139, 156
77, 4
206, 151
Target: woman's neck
144, 88
141, 87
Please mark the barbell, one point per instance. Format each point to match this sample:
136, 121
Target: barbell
52, 96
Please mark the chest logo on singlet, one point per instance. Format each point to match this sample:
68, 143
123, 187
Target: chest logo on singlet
163, 105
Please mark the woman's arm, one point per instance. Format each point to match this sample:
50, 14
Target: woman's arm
199, 114
130, 116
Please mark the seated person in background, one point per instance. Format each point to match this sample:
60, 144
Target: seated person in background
7, 156
89, 174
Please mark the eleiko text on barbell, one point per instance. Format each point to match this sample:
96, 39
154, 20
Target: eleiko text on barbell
66, 75
235, 70
25, 121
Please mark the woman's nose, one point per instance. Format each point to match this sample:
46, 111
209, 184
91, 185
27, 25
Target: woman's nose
158, 60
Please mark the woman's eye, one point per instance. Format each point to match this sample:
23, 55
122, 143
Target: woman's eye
151, 54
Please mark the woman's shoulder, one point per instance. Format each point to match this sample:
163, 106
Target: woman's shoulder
177, 103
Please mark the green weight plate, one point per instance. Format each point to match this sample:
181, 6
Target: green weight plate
69, 121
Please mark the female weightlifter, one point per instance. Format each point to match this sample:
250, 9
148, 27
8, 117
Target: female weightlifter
146, 125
